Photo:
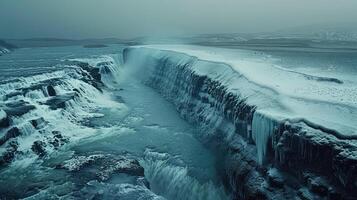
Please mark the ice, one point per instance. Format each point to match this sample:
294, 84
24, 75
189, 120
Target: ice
328, 101
262, 130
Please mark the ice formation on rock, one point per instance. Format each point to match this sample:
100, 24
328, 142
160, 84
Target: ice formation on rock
263, 119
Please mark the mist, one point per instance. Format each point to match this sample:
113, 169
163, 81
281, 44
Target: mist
136, 18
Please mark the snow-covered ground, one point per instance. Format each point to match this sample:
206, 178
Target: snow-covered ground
321, 101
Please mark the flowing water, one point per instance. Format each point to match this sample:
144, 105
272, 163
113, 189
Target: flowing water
85, 131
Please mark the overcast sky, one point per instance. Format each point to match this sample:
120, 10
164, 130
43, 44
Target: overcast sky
131, 18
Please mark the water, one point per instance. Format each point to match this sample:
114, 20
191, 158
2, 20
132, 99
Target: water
128, 119
30, 61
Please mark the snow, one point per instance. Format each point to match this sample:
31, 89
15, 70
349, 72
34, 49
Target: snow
326, 101
76, 163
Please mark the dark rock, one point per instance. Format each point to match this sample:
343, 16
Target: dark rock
91, 74
92, 70
104, 68
39, 148
129, 166
10, 152
12, 133
304, 194
58, 139
57, 134
120, 165
18, 108
59, 101
255, 194
13, 94
46, 86
76, 91
13, 145
21, 110
301, 151
334, 195
275, 178
55, 143
51, 91
7, 157
318, 186
38, 123
4, 120
104, 166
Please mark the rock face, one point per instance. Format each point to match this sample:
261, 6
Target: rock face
59, 101
39, 148
51, 91
90, 74
17, 108
38, 123
12, 133
102, 167
9, 154
266, 158
4, 120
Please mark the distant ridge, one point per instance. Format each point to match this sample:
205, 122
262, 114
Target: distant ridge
56, 42
7, 45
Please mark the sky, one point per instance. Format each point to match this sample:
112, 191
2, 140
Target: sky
135, 18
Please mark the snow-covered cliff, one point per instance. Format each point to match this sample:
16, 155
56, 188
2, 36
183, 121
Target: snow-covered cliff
277, 128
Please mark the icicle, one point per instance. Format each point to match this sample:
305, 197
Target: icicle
262, 130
